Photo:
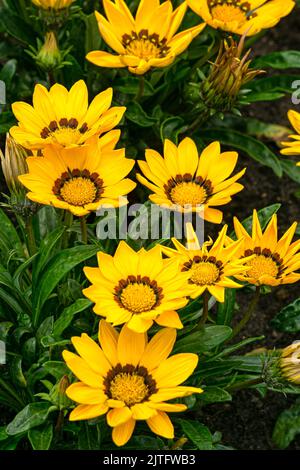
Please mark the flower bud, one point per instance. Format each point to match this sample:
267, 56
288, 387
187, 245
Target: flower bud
52, 4
13, 164
49, 56
290, 363
230, 71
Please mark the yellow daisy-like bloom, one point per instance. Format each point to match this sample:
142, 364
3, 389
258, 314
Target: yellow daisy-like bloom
275, 261
80, 179
149, 40
63, 118
290, 362
211, 265
242, 17
185, 181
130, 379
52, 4
293, 147
138, 288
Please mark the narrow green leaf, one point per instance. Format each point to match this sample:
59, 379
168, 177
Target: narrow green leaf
280, 60
287, 426
65, 319
204, 340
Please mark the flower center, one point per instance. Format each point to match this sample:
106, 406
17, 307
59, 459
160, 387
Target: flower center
186, 190
262, 266
129, 384
78, 188
231, 10
204, 270
138, 294
65, 132
145, 45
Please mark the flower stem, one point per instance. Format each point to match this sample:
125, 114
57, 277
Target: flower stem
141, 89
204, 316
248, 313
68, 220
30, 237
245, 384
83, 227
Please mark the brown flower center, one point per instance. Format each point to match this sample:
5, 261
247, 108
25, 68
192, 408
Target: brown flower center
138, 294
65, 132
129, 384
231, 10
186, 190
145, 45
204, 270
78, 188
265, 263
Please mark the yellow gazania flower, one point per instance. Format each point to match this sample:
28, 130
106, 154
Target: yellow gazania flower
185, 181
240, 17
290, 362
210, 266
138, 288
80, 179
63, 118
52, 4
149, 40
275, 261
130, 379
293, 147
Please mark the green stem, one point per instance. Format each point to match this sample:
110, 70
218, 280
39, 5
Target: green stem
83, 227
248, 313
67, 222
204, 317
30, 236
141, 89
245, 384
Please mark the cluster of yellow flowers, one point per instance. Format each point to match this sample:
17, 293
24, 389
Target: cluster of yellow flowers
79, 169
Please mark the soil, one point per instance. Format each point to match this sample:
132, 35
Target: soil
247, 422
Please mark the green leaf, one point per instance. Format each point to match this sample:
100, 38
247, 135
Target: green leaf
16, 372
131, 85
199, 434
281, 60
31, 416
287, 426
276, 83
226, 309
9, 232
291, 170
213, 394
65, 319
55, 270
89, 437
136, 114
56, 368
171, 128
8, 71
251, 146
45, 329
288, 319
46, 251
41, 437
204, 340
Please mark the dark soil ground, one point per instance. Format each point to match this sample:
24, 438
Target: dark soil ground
247, 422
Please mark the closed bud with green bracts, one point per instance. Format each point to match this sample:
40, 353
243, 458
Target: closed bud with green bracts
219, 91
13, 163
49, 56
